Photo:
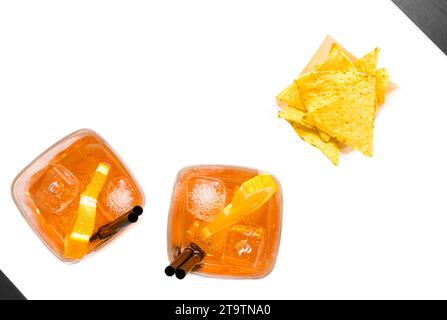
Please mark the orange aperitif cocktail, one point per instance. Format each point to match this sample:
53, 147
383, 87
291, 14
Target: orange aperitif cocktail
224, 221
74, 189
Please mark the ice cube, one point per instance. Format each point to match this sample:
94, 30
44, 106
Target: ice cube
117, 198
55, 190
206, 198
244, 243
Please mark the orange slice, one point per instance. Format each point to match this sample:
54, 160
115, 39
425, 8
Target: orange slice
251, 195
76, 243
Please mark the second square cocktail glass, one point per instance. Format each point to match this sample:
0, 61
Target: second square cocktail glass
224, 221
77, 195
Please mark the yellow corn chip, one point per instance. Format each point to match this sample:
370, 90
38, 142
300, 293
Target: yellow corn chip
337, 61
291, 114
350, 119
368, 63
332, 104
312, 137
290, 97
296, 116
319, 140
325, 137
318, 89
382, 82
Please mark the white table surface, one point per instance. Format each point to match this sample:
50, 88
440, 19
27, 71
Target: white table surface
176, 83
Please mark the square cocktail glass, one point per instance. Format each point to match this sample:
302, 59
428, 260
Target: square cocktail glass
77, 195
224, 221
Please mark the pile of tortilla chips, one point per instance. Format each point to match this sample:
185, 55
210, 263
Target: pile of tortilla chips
334, 105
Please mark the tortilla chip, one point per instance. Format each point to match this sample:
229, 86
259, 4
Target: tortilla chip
290, 97
291, 114
332, 104
382, 82
318, 89
325, 137
350, 119
337, 61
368, 63
312, 137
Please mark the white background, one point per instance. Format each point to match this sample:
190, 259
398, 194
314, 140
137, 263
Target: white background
176, 83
